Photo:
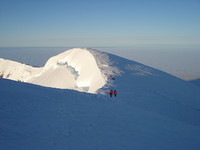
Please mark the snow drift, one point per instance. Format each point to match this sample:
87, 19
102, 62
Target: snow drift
76, 69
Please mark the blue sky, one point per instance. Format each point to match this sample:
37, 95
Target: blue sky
101, 23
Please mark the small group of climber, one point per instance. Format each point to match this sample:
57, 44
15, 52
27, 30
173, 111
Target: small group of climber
111, 92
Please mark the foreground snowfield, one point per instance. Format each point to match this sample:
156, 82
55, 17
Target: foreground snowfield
153, 110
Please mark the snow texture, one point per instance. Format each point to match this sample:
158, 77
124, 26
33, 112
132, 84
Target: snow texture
152, 111
76, 69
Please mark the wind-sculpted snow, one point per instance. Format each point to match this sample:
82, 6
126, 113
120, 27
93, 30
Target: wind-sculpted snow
76, 69
140, 70
17, 71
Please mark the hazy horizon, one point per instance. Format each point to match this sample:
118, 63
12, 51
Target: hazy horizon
181, 63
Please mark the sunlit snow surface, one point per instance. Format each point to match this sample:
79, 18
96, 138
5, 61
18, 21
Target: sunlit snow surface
153, 110
79, 69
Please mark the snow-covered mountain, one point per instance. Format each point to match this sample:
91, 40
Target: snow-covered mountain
78, 69
153, 110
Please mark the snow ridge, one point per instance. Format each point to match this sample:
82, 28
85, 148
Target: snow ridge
78, 69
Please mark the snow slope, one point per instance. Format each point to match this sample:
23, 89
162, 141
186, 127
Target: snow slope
196, 82
153, 110
76, 69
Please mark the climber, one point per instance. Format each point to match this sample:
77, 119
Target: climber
111, 77
115, 93
111, 93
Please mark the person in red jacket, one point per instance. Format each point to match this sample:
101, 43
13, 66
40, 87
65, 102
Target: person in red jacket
115, 93
111, 93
